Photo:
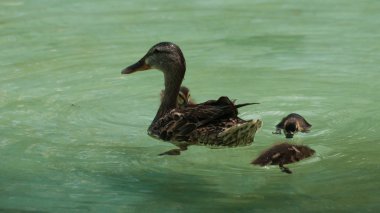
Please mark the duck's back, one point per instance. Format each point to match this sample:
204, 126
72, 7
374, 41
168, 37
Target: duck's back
228, 133
294, 118
213, 123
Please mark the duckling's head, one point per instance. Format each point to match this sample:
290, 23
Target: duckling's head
183, 98
164, 56
303, 151
290, 128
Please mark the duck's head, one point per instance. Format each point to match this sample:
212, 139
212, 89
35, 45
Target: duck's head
290, 128
303, 151
164, 56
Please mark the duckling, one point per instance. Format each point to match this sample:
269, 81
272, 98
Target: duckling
292, 124
283, 153
212, 123
184, 99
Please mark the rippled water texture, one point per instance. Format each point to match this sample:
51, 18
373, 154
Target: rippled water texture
73, 130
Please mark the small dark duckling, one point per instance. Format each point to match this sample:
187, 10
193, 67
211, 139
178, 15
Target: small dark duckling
184, 99
283, 153
292, 124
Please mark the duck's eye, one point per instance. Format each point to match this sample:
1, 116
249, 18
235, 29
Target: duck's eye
156, 50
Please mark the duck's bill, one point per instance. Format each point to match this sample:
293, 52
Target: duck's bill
289, 135
139, 66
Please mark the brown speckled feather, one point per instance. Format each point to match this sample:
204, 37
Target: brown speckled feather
283, 153
205, 124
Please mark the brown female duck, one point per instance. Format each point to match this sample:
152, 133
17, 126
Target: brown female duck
291, 124
213, 123
283, 153
184, 99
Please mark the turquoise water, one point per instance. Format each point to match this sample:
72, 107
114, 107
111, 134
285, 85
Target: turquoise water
73, 130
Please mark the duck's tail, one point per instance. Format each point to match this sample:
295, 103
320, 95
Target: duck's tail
245, 104
241, 134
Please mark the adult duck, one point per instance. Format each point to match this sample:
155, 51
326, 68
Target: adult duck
212, 123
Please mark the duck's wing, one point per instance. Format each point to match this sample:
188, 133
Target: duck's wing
300, 119
304, 124
281, 124
290, 116
178, 124
273, 155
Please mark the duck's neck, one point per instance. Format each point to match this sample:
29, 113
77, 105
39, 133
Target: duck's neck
173, 80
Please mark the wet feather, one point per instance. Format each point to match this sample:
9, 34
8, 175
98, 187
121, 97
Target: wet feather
283, 153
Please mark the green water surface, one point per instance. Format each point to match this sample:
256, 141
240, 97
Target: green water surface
73, 130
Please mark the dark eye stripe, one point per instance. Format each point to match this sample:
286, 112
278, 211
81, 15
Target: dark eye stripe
182, 96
